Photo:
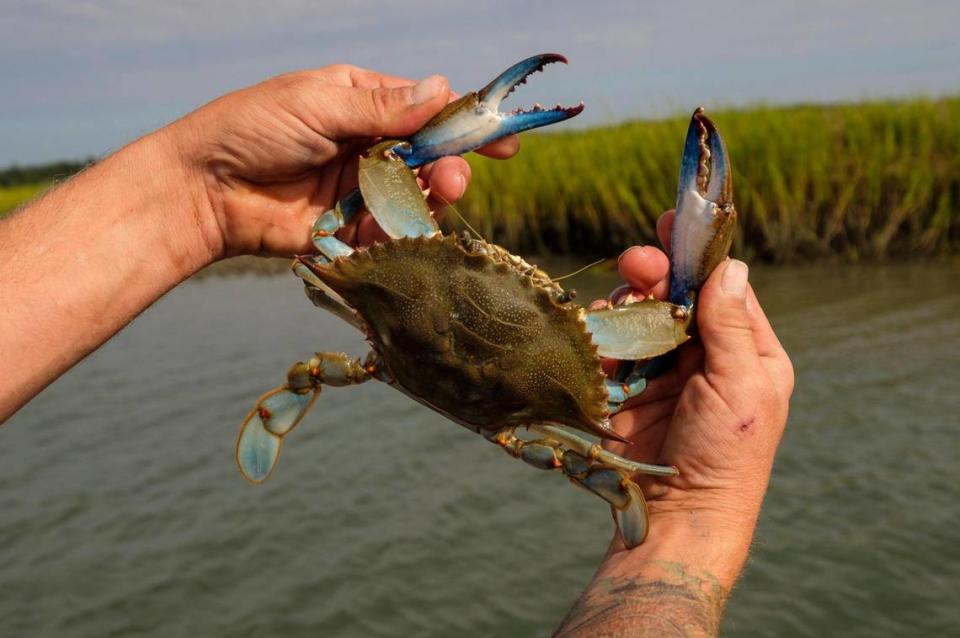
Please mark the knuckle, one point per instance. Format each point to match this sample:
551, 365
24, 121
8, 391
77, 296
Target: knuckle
295, 81
727, 327
788, 376
342, 73
285, 80
381, 103
340, 68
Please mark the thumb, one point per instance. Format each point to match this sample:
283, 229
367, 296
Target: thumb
380, 112
724, 321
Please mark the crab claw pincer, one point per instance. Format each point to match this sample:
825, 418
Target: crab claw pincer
475, 120
705, 216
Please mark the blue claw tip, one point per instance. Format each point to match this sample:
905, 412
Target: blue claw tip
526, 120
475, 119
690, 162
705, 189
504, 84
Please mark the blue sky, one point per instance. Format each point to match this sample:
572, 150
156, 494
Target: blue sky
83, 77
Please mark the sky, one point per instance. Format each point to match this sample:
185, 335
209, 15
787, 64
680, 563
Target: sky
80, 77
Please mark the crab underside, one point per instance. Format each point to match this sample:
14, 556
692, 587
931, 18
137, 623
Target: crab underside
478, 334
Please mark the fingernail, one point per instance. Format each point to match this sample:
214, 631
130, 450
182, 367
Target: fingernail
463, 184
734, 282
641, 252
427, 89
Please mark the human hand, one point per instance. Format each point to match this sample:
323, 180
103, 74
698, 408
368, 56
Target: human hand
266, 161
718, 415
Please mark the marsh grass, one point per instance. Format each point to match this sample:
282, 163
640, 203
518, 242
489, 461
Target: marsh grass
859, 181
855, 181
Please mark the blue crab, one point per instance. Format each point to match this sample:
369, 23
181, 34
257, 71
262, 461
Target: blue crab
481, 336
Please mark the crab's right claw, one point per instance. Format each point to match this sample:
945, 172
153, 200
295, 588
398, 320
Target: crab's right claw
475, 119
705, 218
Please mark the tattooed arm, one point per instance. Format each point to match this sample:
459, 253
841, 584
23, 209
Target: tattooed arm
659, 599
635, 593
718, 416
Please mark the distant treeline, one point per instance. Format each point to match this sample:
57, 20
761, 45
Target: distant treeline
40, 174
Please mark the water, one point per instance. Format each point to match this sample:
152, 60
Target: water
122, 513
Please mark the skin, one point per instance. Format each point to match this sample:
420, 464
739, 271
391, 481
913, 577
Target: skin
718, 416
251, 171
246, 174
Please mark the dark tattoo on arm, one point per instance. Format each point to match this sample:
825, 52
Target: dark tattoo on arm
669, 602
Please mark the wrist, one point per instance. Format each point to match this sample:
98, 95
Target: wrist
193, 239
675, 583
713, 546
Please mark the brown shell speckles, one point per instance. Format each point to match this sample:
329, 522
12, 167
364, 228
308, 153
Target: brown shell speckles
471, 335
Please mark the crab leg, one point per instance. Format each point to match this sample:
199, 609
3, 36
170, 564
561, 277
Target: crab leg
321, 297
588, 465
328, 246
594, 451
620, 393
280, 410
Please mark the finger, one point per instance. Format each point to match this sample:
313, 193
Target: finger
646, 269
638, 422
766, 339
503, 148
599, 304
348, 234
349, 179
725, 325
369, 231
357, 112
772, 354
447, 179
665, 229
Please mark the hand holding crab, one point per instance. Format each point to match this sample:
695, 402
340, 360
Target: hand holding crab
720, 410
271, 167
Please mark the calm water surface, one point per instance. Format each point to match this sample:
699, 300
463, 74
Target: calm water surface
122, 513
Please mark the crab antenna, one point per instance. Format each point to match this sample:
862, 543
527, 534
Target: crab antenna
577, 272
460, 216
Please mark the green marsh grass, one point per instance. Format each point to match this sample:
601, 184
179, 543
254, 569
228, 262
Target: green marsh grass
855, 181
859, 181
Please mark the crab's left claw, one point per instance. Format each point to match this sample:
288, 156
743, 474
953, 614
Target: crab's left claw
705, 218
475, 119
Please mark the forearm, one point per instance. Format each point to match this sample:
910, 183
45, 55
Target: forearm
81, 262
675, 584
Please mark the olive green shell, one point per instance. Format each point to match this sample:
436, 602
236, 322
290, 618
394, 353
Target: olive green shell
475, 333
